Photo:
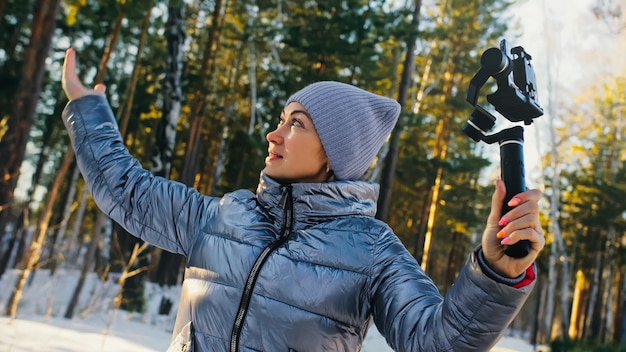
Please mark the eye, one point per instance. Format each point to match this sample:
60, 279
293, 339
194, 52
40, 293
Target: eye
297, 123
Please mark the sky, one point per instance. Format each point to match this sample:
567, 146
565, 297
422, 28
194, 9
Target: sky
575, 51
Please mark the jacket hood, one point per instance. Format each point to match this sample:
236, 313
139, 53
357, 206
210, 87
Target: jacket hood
317, 202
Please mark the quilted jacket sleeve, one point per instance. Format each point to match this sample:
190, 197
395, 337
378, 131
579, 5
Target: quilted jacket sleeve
161, 212
410, 312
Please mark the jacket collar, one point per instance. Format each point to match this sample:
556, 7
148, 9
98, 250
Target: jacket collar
317, 202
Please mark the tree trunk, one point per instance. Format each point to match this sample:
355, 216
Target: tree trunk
574, 327
88, 263
252, 76
53, 257
229, 107
620, 325
418, 244
18, 232
3, 5
391, 160
590, 332
19, 123
169, 264
41, 161
606, 326
373, 174
132, 86
535, 334
34, 251
70, 248
558, 249
115, 34
552, 277
542, 313
440, 154
172, 92
194, 143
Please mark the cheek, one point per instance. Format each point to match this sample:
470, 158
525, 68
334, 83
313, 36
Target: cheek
320, 157
322, 154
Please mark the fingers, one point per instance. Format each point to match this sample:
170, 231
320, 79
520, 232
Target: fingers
70, 82
522, 222
526, 227
69, 65
522, 203
69, 68
72, 86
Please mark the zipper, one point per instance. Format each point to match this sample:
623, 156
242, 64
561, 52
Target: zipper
286, 203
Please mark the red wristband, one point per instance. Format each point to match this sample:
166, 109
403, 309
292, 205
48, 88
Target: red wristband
528, 278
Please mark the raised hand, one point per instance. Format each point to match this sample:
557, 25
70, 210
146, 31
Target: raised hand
520, 223
70, 82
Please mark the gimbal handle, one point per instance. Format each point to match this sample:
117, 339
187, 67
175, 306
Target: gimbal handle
512, 171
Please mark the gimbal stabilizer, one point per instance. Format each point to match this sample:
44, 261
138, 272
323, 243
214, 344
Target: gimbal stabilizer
515, 99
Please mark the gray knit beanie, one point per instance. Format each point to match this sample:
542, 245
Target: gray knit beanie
352, 124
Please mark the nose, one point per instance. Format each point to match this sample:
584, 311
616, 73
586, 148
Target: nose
274, 136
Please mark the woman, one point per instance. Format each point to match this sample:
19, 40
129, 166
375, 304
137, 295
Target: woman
303, 265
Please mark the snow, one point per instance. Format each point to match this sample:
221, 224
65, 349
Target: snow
40, 325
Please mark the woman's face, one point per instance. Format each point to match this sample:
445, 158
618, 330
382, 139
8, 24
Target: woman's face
295, 150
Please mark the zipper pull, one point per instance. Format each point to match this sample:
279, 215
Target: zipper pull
286, 190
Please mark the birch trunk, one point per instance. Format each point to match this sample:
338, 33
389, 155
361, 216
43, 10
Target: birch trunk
558, 251
168, 266
552, 277
172, 93
606, 326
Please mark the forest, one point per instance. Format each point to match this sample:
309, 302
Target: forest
196, 85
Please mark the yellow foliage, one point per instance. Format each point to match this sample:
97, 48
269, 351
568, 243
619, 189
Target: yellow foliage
72, 8
71, 15
153, 114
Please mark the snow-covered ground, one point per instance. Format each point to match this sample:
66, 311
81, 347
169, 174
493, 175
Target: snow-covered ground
40, 326
122, 332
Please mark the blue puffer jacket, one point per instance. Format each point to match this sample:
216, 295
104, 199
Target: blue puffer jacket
302, 267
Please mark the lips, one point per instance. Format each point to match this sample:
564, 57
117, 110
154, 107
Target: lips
273, 155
